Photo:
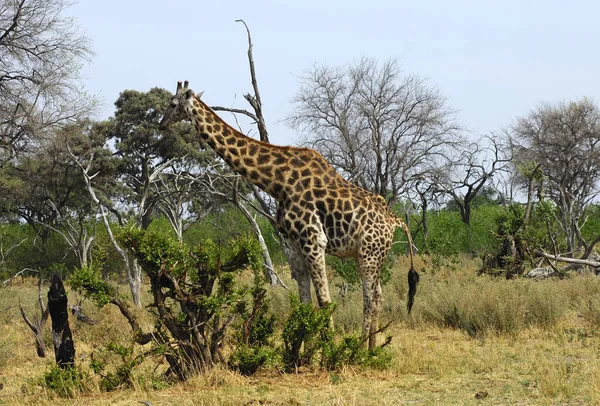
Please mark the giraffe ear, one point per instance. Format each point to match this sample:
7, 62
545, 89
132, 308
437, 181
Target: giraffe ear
189, 93
199, 95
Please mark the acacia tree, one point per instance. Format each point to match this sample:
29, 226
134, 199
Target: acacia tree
563, 141
142, 151
380, 128
141, 154
41, 52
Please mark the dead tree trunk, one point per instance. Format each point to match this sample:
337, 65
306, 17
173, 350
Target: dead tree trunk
38, 323
64, 350
297, 265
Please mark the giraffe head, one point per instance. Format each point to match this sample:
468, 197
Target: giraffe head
176, 111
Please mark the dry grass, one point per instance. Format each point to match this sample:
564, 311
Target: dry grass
546, 354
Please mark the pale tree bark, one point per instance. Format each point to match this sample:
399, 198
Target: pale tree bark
173, 193
255, 101
5, 251
75, 234
172, 205
594, 264
532, 175
38, 323
132, 269
268, 264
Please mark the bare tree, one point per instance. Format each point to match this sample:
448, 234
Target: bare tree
75, 231
174, 193
466, 177
380, 128
426, 192
41, 52
563, 139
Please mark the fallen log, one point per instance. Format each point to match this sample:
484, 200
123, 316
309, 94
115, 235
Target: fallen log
595, 265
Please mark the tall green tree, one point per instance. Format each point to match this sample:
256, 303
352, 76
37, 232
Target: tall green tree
144, 152
140, 155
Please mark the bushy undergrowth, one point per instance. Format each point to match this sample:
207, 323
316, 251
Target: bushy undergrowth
65, 382
306, 333
449, 297
307, 340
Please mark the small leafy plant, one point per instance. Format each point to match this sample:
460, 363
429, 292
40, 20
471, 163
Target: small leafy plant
65, 382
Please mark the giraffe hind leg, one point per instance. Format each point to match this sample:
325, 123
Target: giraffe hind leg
372, 301
299, 270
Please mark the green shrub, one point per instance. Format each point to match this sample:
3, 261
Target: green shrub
65, 382
89, 281
114, 364
254, 348
351, 350
306, 333
247, 360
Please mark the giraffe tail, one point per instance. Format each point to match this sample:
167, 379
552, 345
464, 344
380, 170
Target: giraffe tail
413, 281
413, 276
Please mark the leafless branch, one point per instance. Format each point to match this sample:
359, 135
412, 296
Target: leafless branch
21, 272
578, 261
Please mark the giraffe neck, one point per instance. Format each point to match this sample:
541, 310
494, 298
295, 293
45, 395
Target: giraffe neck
246, 156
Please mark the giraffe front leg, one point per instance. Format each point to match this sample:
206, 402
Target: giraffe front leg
301, 275
321, 284
314, 254
316, 267
368, 310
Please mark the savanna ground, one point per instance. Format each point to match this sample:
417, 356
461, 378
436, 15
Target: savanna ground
470, 340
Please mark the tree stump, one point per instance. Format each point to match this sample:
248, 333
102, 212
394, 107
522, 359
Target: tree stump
64, 350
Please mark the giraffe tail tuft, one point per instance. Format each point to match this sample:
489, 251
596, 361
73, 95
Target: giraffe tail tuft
413, 281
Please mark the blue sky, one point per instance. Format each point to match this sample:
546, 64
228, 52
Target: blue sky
493, 60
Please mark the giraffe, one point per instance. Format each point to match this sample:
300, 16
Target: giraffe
318, 211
